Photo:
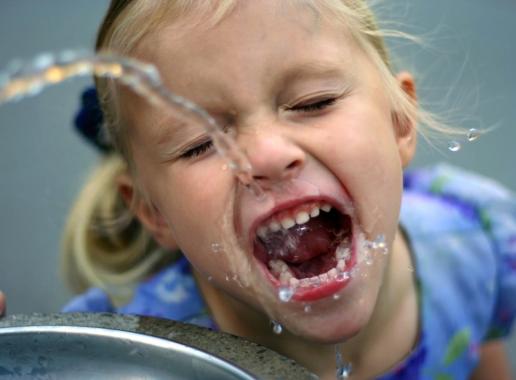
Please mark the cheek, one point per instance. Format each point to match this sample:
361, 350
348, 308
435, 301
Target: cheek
360, 146
365, 159
194, 201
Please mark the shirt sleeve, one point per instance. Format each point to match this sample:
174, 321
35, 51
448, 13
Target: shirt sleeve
495, 208
500, 222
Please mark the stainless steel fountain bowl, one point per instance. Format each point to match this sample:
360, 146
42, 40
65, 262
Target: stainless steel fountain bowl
111, 346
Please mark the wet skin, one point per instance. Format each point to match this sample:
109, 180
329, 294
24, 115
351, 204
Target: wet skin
309, 108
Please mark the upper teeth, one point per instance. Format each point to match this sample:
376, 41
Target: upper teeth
299, 218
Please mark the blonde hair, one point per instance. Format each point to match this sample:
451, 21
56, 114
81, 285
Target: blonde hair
104, 245
116, 258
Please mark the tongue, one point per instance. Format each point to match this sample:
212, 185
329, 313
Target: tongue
313, 267
304, 242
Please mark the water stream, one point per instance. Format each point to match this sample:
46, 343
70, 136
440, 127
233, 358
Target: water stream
22, 80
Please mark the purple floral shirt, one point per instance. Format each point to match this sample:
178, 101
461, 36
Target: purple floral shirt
462, 232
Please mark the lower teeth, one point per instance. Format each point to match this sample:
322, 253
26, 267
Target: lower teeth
281, 270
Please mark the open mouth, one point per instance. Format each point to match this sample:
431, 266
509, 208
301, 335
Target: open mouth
307, 248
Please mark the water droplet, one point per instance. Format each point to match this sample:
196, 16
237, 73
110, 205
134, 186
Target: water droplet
43, 61
367, 245
210, 278
454, 146
342, 276
336, 296
227, 277
308, 308
276, 327
473, 134
380, 242
344, 371
285, 293
216, 247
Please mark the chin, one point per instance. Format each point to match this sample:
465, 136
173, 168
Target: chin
328, 330
332, 321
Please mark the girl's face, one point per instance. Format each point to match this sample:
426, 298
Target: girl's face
309, 109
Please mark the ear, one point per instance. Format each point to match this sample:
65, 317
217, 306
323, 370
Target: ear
147, 214
405, 127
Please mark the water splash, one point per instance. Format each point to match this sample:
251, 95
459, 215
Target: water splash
277, 328
24, 80
370, 249
343, 369
380, 244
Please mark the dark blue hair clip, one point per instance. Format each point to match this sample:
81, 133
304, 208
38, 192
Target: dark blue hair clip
89, 121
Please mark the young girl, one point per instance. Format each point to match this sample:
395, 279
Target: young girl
307, 90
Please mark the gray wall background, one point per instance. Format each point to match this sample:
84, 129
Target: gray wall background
465, 71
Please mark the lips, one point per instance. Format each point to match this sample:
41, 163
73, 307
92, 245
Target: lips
308, 247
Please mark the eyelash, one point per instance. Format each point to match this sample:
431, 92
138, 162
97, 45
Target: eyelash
313, 107
206, 146
197, 150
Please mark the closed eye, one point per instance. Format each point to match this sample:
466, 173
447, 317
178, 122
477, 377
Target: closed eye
313, 106
197, 150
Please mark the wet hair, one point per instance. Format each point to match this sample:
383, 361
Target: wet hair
117, 254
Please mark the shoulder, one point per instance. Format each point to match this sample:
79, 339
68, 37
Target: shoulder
462, 229
459, 198
170, 293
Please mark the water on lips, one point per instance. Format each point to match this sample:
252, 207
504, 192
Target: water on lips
308, 249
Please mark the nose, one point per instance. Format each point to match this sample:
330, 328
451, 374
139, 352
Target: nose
273, 157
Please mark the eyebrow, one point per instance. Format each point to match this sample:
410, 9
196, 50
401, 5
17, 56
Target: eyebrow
169, 128
312, 69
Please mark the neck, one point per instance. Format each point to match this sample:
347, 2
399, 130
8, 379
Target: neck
387, 338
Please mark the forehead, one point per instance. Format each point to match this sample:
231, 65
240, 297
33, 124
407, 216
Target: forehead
255, 38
